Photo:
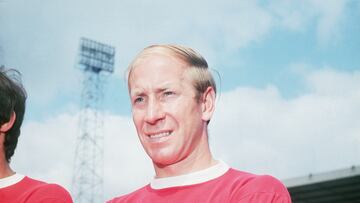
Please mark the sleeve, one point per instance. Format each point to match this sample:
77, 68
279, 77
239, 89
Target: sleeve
50, 193
262, 189
265, 198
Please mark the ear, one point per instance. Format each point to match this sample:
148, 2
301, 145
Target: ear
8, 125
208, 103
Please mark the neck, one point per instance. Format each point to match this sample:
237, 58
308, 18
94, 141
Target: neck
199, 159
5, 169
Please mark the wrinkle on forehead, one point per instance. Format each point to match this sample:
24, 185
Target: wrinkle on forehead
153, 53
143, 59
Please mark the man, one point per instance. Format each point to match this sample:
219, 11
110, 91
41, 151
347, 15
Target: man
173, 98
14, 187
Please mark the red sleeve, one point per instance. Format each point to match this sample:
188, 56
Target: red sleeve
50, 193
262, 189
265, 198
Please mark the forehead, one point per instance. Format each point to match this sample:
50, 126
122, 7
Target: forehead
156, 68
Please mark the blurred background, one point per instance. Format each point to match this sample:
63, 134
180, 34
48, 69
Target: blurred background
289, 101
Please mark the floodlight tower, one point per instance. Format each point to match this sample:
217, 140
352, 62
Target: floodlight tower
96, 60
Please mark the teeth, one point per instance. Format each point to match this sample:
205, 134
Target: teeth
160, 135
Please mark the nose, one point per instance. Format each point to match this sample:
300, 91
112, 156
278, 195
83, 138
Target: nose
154, 112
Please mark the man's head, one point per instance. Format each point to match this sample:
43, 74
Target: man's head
197, 66
172, 94
12, 108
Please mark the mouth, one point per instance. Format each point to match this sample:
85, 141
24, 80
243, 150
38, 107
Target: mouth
159, 136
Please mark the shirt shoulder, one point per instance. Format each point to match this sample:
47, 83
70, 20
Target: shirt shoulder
41, 192
249, 187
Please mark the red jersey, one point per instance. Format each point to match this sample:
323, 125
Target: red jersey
223, 185
22, 189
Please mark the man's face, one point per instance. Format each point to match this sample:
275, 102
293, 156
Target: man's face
166, 115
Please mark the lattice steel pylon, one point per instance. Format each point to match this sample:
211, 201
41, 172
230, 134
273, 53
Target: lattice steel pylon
96, 60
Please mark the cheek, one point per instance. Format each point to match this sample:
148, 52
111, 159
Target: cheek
179, 107
137, 119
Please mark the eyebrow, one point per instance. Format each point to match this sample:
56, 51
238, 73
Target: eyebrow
136, 92
161, 88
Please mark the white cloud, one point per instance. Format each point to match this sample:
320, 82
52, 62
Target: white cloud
127, 166
291, 14
258, 130
45, 149
331, 14
299, 15
322, 82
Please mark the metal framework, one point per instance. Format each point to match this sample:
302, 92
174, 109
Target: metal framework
96, 60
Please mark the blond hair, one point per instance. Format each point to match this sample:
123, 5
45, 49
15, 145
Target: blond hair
198, 69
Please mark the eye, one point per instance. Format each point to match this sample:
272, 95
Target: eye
138, 100
169, 93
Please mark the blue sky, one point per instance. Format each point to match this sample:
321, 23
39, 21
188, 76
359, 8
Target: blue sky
290, 80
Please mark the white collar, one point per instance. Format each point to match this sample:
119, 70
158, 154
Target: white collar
192, 178
11, 180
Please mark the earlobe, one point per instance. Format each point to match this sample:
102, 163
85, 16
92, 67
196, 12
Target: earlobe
8, 125
208, 104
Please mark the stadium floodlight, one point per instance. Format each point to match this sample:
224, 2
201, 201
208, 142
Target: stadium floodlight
96, 57
87, 182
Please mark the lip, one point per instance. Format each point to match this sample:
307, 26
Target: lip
159, 136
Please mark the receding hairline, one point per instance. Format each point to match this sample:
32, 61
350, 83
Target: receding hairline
185, 54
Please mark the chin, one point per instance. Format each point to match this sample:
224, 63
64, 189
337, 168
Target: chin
162, 160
